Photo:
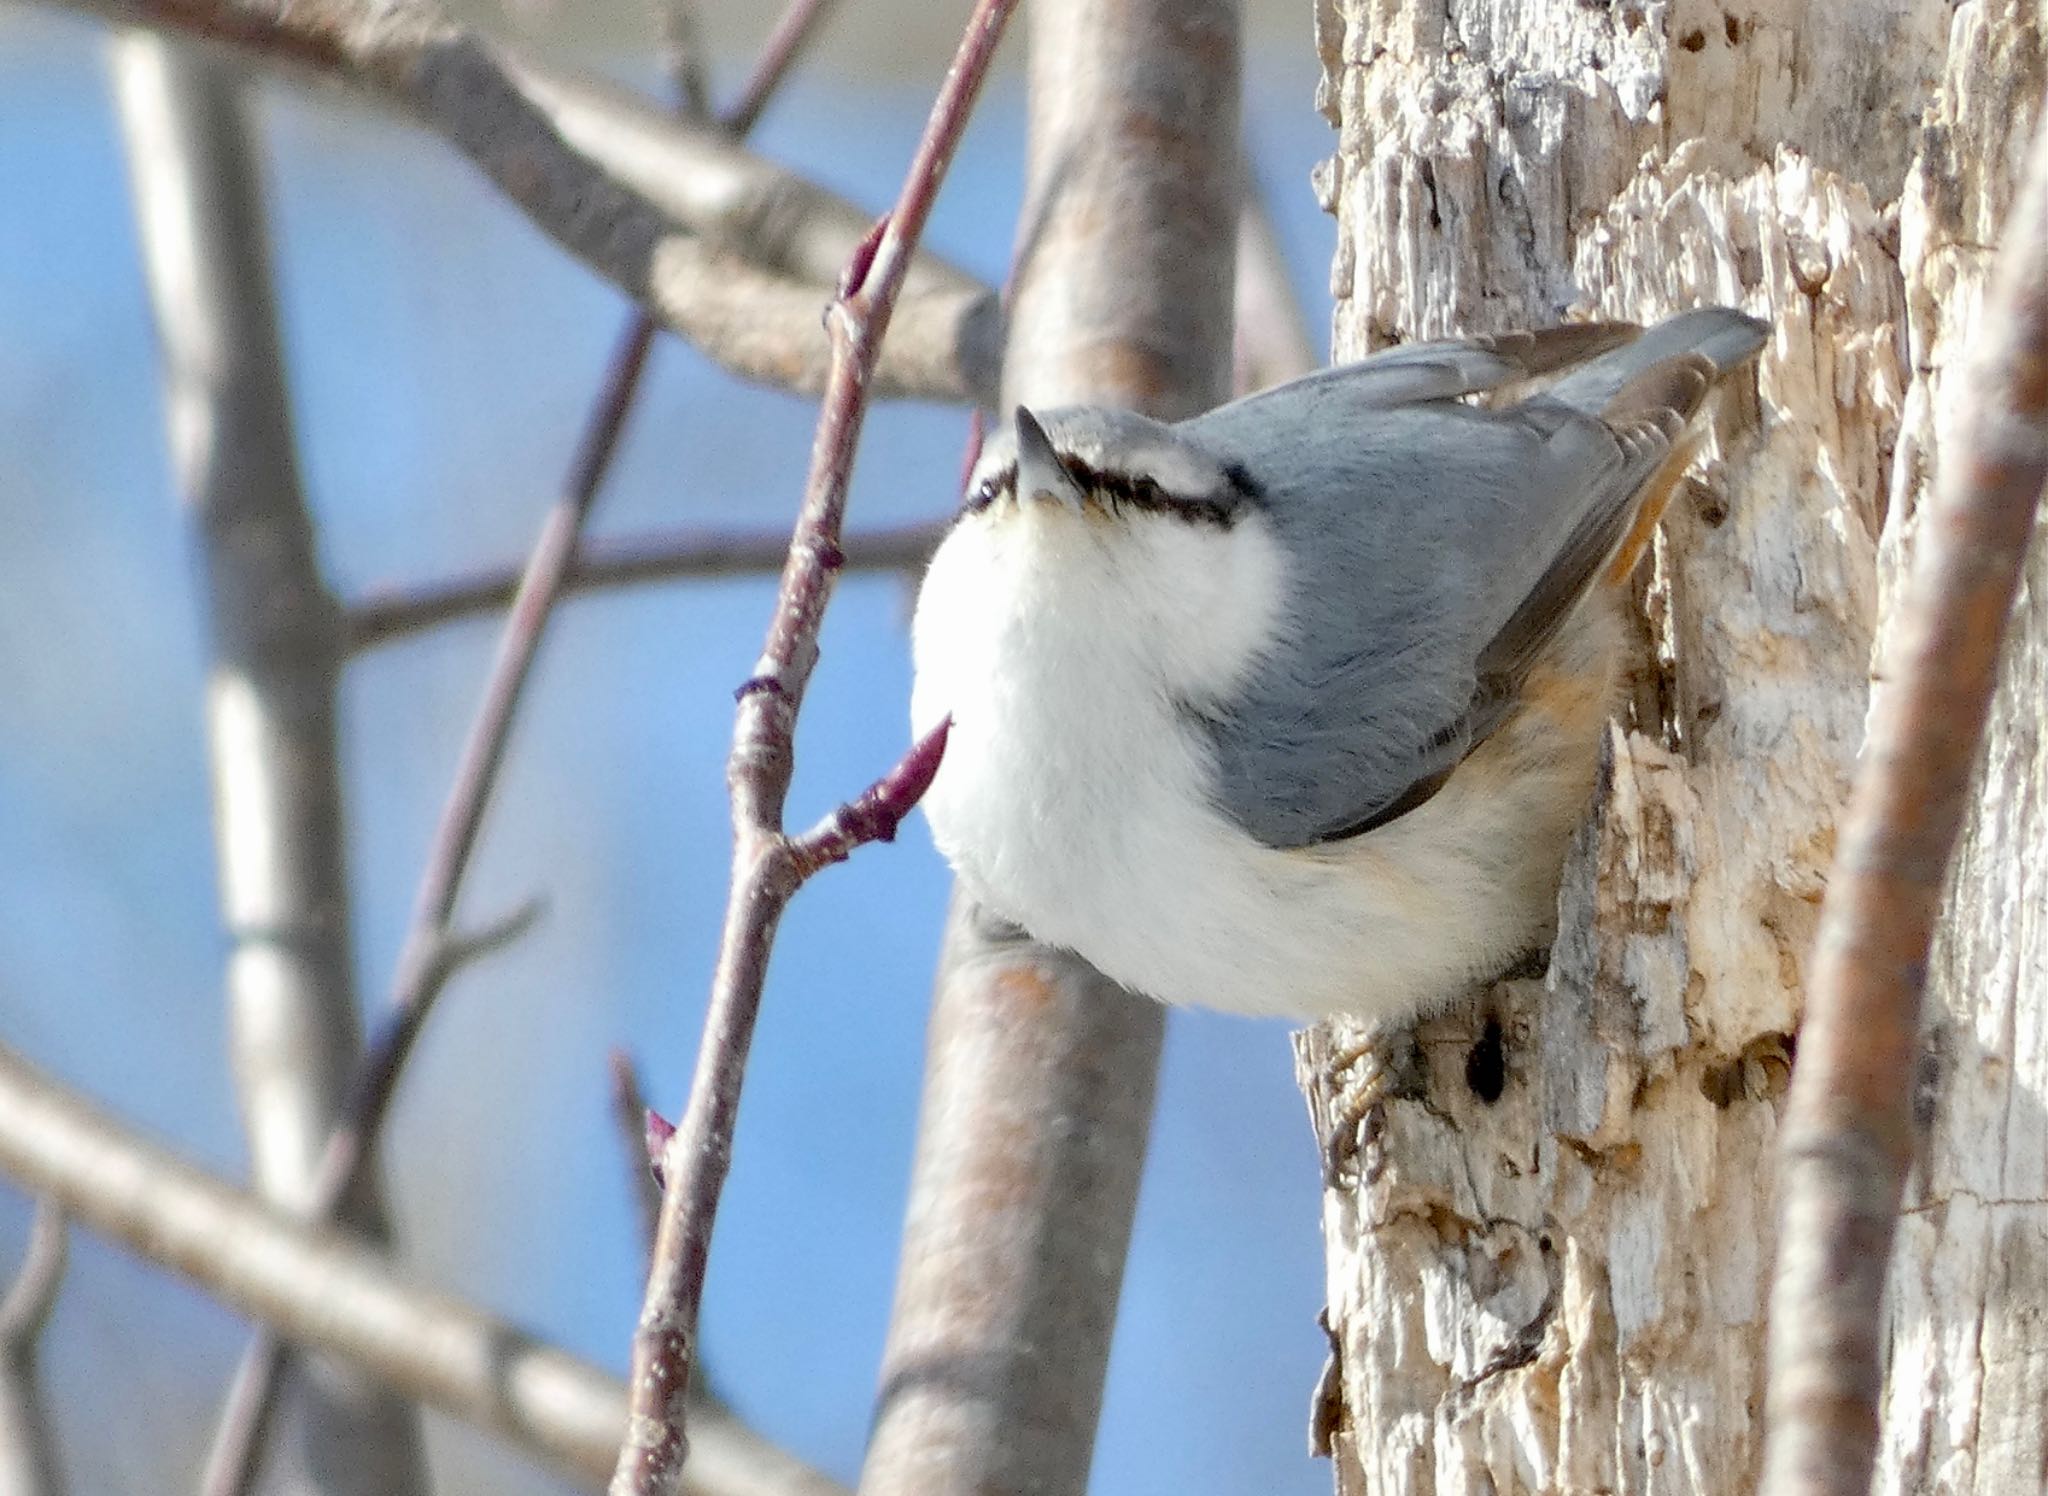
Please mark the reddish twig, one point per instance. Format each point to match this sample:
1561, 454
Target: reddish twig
793, 32
768, 866
1848, 1137
386, 618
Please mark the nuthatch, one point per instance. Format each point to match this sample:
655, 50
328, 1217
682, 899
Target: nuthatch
1292, 708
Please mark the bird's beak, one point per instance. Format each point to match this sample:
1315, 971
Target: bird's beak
1040, 474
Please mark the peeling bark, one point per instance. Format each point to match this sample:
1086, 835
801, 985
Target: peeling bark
1562, 1288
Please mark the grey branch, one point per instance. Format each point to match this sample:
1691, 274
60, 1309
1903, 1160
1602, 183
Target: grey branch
28, 1443
735, 254
1038, 1089
331, 1292
386, 617
275, 660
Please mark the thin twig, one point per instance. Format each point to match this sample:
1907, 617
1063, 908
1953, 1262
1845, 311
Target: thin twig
794, 29
729, 251
630, 1114
1848, 1138
682, 56
768, 866
388, 617
428, 955
332, 1292
28, 1441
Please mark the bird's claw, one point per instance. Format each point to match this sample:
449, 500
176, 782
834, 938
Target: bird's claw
1359, 1081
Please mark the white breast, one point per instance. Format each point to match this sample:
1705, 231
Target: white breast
1075, 798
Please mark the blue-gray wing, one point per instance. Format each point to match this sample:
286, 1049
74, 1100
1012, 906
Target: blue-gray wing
1435, 547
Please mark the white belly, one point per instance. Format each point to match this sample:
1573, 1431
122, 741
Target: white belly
1075, 799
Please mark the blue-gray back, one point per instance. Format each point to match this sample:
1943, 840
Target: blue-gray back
1435, 546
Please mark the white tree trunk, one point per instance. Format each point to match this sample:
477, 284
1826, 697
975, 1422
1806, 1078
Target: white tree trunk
1563, 1289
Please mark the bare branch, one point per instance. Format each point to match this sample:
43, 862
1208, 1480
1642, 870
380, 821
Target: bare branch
274, 675
330, 1292
734, 254
431, 952
25, 1307
28, 1444
386, 617
767, 867
876, 813
1848, 1137
1038, 1091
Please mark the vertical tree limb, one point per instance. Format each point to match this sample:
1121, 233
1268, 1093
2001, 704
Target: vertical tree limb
1038, 1092
432, 949
1849, 1136
275, 641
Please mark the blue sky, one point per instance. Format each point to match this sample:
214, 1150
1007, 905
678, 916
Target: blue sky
441, 356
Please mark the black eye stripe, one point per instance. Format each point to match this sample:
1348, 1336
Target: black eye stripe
1126, 490
1144, 493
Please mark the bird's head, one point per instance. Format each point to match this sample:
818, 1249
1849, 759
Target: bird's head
1105, 466
1107, 544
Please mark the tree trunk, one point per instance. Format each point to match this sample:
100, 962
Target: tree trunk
1548, 1271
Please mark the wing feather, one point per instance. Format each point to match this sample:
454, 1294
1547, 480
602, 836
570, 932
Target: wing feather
1439, 548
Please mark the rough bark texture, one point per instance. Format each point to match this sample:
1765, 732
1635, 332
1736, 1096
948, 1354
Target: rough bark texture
1562, 1289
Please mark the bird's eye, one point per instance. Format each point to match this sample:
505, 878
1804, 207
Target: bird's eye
983, 495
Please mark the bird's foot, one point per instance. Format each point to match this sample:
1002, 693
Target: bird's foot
1359, 1080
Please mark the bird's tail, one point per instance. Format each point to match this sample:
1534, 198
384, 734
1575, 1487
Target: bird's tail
1649, 391
1725, 338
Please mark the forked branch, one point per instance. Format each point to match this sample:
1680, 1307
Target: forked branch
732, 253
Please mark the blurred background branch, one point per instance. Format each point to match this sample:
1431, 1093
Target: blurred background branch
336, 1294
387, 616
732, 253
276, 645
433, 949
